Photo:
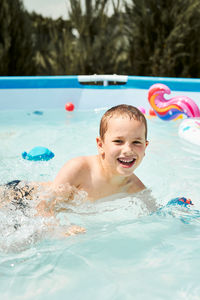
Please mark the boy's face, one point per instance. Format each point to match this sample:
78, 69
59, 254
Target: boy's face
124, 144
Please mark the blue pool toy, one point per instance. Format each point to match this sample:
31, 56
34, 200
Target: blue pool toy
38, 153
38, 112
180, 208
180, 201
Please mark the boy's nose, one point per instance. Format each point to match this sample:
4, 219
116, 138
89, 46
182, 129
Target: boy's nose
127, 149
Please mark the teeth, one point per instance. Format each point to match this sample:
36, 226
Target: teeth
126, 161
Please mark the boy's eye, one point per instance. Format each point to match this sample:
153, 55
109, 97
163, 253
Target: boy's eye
136, 142
118, 141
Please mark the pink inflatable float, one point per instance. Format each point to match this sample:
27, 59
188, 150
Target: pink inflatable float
172, 108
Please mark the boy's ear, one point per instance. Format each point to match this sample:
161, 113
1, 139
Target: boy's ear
147, 143
100, 144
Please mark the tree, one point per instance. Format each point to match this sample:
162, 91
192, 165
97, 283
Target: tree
4, 37
50, 44
97, 44
160, 37
150, 37
182, 45
15, 39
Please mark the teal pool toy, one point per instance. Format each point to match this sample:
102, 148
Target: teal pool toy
180, 208
38, 154
180, 201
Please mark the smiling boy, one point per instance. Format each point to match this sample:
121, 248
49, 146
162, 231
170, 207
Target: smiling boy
121, 145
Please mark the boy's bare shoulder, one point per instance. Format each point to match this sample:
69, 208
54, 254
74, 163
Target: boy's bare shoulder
80, 163
75, 166
74, 171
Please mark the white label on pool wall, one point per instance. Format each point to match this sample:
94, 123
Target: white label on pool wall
189, 129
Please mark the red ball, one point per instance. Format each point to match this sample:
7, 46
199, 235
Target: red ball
69, 106
152, 112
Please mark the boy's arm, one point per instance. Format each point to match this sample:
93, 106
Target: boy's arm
69, 179
71, 173
63, 188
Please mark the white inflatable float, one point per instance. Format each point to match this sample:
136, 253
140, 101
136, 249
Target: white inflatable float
189, 130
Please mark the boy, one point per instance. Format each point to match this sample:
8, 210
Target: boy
121, 145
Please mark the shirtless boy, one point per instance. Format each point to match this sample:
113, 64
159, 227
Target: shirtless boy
121, 146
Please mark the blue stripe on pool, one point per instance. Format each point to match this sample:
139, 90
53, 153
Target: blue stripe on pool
133, 82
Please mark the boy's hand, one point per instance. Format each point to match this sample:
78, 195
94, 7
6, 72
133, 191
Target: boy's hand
74, 229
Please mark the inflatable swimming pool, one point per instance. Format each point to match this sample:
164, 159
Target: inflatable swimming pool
123, 244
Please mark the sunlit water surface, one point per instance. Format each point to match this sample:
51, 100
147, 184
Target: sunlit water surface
126, 252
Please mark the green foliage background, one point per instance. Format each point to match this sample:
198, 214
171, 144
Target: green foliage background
141, 37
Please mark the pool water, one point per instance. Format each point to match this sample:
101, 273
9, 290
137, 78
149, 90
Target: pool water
126, 252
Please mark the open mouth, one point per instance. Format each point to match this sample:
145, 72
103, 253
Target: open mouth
126, 163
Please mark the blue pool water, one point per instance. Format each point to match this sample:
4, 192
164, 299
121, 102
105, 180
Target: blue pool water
126, 252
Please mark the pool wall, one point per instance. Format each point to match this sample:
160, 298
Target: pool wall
38, 92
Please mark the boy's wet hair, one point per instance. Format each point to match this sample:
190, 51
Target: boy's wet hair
121, 110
